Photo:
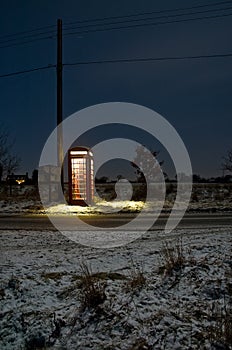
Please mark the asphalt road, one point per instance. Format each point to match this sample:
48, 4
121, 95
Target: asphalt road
41, 222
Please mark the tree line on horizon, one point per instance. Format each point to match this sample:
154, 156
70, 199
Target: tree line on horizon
10, 162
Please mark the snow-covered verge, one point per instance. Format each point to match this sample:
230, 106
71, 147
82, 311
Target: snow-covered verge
205, 198
159, 292
21, 206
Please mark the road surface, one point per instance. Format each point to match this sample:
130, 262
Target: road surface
41, 222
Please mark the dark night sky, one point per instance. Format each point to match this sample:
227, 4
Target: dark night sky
193, 95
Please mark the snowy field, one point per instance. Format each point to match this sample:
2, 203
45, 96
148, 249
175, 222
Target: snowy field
159, 292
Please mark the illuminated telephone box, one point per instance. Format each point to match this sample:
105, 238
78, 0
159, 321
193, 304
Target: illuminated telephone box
80, 172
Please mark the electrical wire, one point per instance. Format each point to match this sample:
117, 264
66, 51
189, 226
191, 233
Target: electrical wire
124, 60
148, 13
145, 24
27, 31
28, 41
150, 18
16, 36
106, 29
27, 71
27, 36
149, 59
51, 34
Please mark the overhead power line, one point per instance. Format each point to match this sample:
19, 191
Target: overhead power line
28, 71
123, 60
26, 32
145, 24
16, 38
7, 43
27, 41
27, 36
150, 18
148, 13
149, 59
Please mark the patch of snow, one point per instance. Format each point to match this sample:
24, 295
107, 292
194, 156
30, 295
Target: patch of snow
41, 289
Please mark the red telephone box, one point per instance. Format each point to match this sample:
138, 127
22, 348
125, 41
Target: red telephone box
80, 173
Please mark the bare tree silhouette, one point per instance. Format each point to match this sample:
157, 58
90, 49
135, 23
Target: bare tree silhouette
227, 161
9, 161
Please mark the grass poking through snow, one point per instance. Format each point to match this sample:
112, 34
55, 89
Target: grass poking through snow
93, 289
173, 257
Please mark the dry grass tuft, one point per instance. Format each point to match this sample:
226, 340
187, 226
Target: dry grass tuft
173, 257
137, 279
220, 333
93, 290
141, 344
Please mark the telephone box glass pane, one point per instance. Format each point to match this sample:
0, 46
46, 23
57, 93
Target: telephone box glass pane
91, 178
79, 190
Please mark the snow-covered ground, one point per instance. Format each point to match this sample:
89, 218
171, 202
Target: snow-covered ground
158, 292
154, 294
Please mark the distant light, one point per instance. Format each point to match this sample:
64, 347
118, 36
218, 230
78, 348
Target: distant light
20, 181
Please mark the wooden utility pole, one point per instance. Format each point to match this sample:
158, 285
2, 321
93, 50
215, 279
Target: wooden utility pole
59, 70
